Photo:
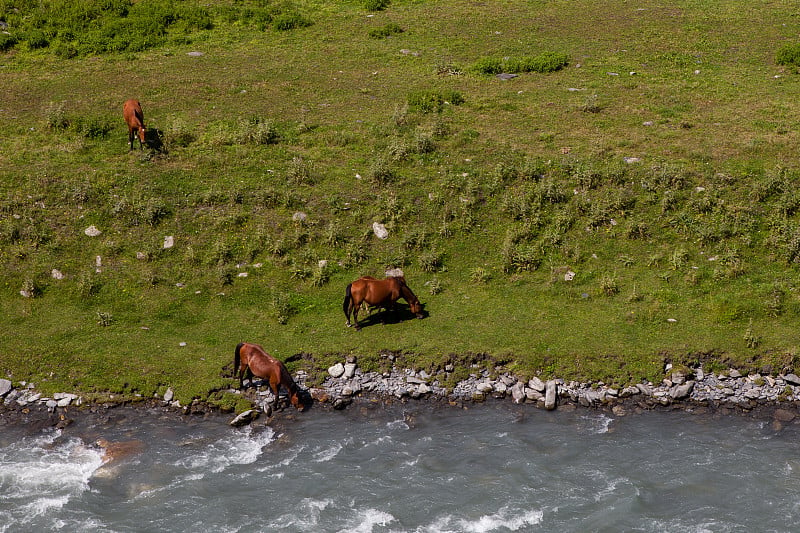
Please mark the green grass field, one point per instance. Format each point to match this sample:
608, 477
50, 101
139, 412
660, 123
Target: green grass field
656, 168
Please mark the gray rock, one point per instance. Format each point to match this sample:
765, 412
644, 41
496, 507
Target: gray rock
349, 370
169, 395
336, 371
5, 387
792, 379
244, 418
550, 395
536, 384
518, 392
679, 392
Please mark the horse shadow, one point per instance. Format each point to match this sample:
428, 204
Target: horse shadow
154, 140
380, 316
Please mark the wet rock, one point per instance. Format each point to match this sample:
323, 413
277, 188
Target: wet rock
550, 395
244, 418
783, 415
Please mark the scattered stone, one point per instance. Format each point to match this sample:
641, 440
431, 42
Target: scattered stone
299, 216
507, 76
92, 231
380, 230
537, 384
141, 256
349, 370
169, 395
195, 54
169, 242
5, 387
56, 274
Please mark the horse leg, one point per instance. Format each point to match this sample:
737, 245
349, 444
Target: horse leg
130, 138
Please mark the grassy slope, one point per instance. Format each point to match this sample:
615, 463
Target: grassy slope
721, 116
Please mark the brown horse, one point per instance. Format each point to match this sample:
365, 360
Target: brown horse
132, 112
251, 359
379, 293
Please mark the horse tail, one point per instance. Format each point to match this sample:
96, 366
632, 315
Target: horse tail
237, 358
348, 300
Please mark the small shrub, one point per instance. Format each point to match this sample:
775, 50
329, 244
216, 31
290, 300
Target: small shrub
488, 66
104, 318
431, 261
7, 42
432, 101
750, 338
609, 286
435, 286
30, 288
788, 54
381, 171
300, 172
290, 21
479, 275
88, 285
282, 306
388, 30
376, 5
56, 116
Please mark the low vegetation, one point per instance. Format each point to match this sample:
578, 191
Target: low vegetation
629, 199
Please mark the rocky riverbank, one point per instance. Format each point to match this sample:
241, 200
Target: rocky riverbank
692, 389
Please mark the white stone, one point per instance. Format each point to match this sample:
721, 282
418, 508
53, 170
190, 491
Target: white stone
56, 274
380, 230
92, 231
169, 241
336, 371
569, 276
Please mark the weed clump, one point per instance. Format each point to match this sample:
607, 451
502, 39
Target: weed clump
388, 30
433, 101
376, 5
543, 63
788, 55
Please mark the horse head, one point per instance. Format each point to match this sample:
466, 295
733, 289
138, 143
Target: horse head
298, 400
416, 308
142, 132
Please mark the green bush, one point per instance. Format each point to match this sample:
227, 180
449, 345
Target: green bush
376, 5
431, 101
388, 30
543, 63
289, 21
789, 55
488, 66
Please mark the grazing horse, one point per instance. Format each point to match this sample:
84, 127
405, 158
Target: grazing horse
251, 359
132, 111
380, 293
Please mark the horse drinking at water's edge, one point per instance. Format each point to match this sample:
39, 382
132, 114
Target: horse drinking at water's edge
378, 292
132, 112
251, 359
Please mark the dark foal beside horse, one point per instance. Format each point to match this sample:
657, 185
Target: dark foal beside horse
132, 112
378, 293
251, 360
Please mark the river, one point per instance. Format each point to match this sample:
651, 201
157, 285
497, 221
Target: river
403, 467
